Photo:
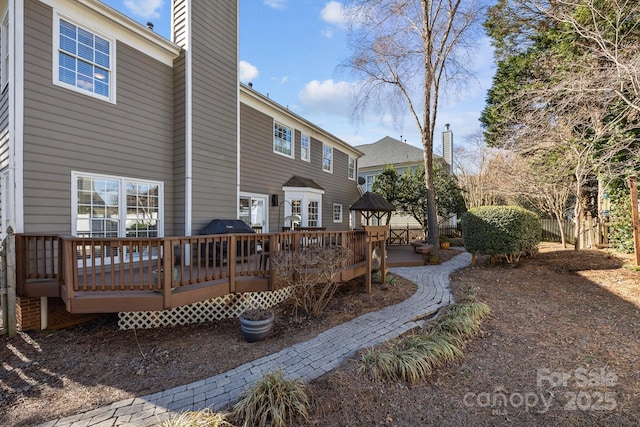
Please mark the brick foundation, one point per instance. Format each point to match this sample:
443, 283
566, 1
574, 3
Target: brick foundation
28, 314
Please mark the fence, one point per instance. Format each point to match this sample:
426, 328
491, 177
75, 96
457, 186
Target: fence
551, 230
402, 236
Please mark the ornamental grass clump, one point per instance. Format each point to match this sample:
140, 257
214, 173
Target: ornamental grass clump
415, 357
273, 401
206, 418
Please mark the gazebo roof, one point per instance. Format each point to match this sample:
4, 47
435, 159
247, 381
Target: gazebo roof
372, 202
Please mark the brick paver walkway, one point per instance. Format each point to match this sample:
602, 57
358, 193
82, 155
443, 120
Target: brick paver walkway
306, 360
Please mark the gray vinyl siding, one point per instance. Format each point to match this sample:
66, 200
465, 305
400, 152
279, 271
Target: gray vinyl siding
67, 131
265, 172
215, 110
179, 118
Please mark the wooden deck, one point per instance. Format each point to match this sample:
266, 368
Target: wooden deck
112, 275
403, 256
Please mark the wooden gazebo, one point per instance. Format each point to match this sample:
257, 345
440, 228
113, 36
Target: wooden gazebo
372, 205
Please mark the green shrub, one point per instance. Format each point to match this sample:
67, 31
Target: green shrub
273, 401
416, 356
507, 231
206, 418
621, 230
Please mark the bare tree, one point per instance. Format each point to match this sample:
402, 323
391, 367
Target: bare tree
407, 51
475, 169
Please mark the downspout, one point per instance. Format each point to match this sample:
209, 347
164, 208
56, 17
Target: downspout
266, 213
188, 202
16, 114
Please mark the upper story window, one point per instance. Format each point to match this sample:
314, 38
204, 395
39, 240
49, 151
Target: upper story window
282, 140
369, 184
327, 158
305, 148
4, 50
351, 173
84, 61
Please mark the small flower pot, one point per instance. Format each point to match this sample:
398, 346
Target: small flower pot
256, 324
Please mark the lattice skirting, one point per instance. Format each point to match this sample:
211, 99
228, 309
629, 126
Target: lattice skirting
224, 307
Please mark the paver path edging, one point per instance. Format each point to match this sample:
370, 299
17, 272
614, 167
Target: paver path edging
306, 360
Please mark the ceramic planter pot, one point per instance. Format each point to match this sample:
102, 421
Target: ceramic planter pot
258, 329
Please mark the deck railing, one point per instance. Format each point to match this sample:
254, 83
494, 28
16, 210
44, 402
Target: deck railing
76, 267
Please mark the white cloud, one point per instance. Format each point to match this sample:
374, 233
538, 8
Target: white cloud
147, 9
248, 72
276, 4
333, 13
327, 97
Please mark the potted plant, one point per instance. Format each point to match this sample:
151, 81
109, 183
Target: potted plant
256, 324
433, 260
445, 242
157, 275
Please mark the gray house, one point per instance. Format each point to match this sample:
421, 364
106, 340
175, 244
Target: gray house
109, 130
403, 157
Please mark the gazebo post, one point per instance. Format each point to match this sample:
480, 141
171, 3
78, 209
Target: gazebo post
374, 205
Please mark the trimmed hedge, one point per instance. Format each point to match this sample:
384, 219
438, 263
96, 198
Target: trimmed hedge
501, 230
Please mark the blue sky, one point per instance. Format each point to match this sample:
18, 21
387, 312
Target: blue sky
291, 49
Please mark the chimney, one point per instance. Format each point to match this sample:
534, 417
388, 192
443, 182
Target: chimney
447, 146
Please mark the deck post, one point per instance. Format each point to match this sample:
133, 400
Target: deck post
369, 262
167, 272
69, 272
273, 247
10, 275
232, 250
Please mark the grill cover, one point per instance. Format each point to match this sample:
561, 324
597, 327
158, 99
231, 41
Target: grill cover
226, 226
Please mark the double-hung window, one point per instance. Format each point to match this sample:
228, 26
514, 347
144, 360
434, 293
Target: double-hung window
84, 61
305, 148
351, 173
369, 184
327, 158
337, 212
4, 50
313, 213
282, 140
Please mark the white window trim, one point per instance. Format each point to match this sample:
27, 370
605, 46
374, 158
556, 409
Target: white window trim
265, 199
308, 158
305, 195
122, 200
333, 212
5, 49
330, 170
56, 65
355, 172
366, 182
293, 139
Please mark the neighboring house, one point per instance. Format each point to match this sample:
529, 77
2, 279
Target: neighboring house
402, 156
109, 130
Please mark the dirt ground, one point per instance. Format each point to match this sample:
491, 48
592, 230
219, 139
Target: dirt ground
561, 348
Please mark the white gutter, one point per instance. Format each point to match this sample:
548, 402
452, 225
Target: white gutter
238, 114
188, 152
